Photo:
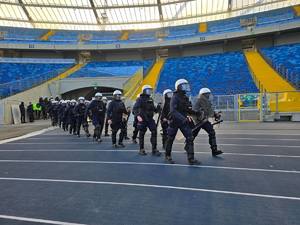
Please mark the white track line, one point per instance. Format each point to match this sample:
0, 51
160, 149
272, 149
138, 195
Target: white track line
150, 164
26, 219
136, 151
196, 143
154, 186
27, 135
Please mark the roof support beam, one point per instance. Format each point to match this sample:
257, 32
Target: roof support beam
229, 5
161, 16
96, 7
26, 12
95, 12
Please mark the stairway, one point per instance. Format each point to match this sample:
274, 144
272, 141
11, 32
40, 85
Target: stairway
151, 78
46, 36
268, 80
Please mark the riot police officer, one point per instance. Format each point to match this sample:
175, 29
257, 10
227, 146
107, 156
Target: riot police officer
79, 112
180, 111
116, 115
97, 110
164, 118
71, 117
85, 123
203, 105
144, 109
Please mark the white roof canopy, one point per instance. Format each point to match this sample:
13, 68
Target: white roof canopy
125, 14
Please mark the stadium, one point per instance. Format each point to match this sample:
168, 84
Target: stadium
246, 52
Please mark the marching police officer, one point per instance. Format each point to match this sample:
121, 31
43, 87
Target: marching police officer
85, 123
79, 112
97, 110
144, 109
180, 109
164, 118
203, 104
116, 115
71, 117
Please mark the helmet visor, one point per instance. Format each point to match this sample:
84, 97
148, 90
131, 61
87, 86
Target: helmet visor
185, 87
148, 91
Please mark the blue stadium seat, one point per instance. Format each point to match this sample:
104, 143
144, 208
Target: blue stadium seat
286, 60
223, 73
112, 68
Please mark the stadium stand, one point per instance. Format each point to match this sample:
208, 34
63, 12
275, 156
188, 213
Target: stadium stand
263, 19
17, 74
286, 60
112, 68
223, 73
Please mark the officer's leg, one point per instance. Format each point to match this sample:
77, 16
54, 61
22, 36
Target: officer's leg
153, 139
114, 130
142, 131
208, 127
102, 125
172, 131
106, 127
164, 126
122, 134
78, 125
189, 143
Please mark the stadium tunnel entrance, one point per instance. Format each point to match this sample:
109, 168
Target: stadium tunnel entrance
88, 92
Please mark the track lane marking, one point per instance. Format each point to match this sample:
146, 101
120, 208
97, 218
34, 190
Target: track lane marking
151, 164
34, 220
153, 186
136, 151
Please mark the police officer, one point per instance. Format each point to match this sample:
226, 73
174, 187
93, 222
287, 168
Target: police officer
97, 110
61, 109
203, 104
164, 118
85, 123
79, 112
180, 109
104, 120
71, 117
65, 124
54, 112
135, 128
116, 114
144, 109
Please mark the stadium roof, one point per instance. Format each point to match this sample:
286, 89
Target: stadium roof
125, 14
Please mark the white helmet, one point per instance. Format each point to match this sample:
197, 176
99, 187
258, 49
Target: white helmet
73, 101
117, 92
166, 91
93, 98
147, 89
104, 98
81, 98
61, 101
98, 94
180, 82
204, 91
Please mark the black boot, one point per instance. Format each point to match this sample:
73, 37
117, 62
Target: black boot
155, 152
194, 161
142, 152
215, 151
168, 159
121, 145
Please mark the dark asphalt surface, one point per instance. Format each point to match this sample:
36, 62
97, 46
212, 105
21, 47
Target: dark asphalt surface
256, 181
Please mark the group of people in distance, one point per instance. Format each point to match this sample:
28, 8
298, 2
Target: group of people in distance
176, 112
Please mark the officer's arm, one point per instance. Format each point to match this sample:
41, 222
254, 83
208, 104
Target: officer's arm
109, 111
136, 107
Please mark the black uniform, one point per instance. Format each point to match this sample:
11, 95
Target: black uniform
144, 107
164, 120
53, 112
97, 110
103, 118
71, 120
180, 108
115, 111
79, 112
22, 111
30, 112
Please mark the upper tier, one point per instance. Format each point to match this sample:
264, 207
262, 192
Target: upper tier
26, 35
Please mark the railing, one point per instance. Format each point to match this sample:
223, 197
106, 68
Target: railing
290, 76
14, 87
